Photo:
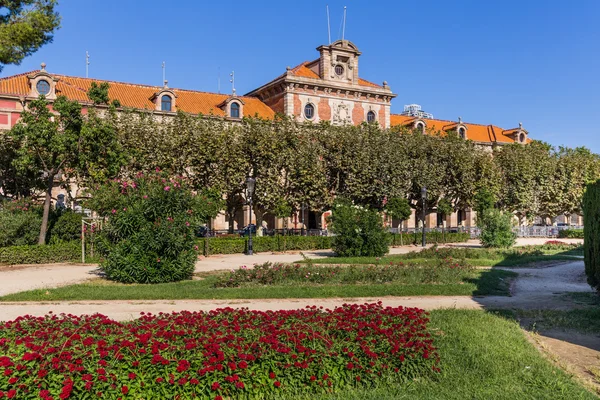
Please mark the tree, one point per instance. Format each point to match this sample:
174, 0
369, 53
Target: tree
444, 207
398, 208
496, 229
48, 143
98, 94
484, 200
591, 233
25, 26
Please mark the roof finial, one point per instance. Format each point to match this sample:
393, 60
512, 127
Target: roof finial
43, 66
520, 125
165, 84
460, 120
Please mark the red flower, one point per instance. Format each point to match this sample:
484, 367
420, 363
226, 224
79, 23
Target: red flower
215, 386
218, 398
272, 375
124, 389
277, 384
132, 375
11, 393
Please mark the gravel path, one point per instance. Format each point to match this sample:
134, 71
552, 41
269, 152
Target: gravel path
535, 288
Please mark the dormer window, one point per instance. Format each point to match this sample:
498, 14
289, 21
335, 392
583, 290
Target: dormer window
371, 116
420, 126
165, 102
309, 111
235, 110
462, 132
43, 87
522, 137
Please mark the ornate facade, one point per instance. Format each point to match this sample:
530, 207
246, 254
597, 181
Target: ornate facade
326, 89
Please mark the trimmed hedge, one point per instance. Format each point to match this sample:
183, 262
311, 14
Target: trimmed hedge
233, 245
571, 234
591, 229
51, 253
431, 237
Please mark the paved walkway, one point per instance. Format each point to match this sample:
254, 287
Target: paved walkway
535, 288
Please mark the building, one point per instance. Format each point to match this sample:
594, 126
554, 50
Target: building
328, 88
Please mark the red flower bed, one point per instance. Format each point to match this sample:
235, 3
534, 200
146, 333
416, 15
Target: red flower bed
219, 354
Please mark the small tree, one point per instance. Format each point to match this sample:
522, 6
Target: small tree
359, 231
399, 208
591, 234
48, 143
149, 237
25, 26
496, 229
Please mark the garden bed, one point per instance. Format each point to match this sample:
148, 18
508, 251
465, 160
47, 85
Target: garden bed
221, 354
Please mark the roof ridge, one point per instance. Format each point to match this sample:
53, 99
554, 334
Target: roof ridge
21, 74
158, 88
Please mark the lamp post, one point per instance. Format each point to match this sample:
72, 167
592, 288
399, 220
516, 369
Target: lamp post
424, 200
250, 183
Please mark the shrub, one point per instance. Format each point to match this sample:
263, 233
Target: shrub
591, 232
149, 237
445, 270
20, 223
34, 254
571, 234
430, 237
358, 231
66, 228
225, 353
496, 229
226, 245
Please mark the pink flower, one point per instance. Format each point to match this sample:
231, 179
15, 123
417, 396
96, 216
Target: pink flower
158, 260
114, 211
145, 196
167, 188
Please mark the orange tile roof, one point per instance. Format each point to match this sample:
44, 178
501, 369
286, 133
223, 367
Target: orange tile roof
304, 71
475, 132
136, 95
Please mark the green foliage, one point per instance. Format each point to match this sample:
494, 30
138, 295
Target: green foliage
571, 233
149, 237
358, 230
66, 228
444, 207
430, 237
444, 271
484, 200
233, 245
398, 208
19, 224
591, 232
496, 229
52, 253
25, 26
98, 94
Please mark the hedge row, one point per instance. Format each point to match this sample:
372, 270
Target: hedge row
229, 245
571, 234
51, 253
234, 245
431, 237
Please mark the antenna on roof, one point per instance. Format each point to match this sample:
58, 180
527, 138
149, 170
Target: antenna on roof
328, 26
164, 68
87, 63
344, 26
232, 80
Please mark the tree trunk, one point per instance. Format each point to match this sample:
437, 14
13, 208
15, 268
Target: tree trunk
231, 216
47, 202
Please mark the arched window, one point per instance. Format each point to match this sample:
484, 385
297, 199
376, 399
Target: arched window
522, 137
165, 103
309, 111
43, 87
421, 127
235, 110
462, 133
339, 70
371, 116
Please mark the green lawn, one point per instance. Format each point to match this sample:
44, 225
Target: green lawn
482, 282
473, 256
484, 356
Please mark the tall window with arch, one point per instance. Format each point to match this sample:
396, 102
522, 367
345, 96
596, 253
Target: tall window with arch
235, 110
371, 116
462, 133
165, 103
309, 111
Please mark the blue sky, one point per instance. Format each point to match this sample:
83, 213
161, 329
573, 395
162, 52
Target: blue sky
490, 62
